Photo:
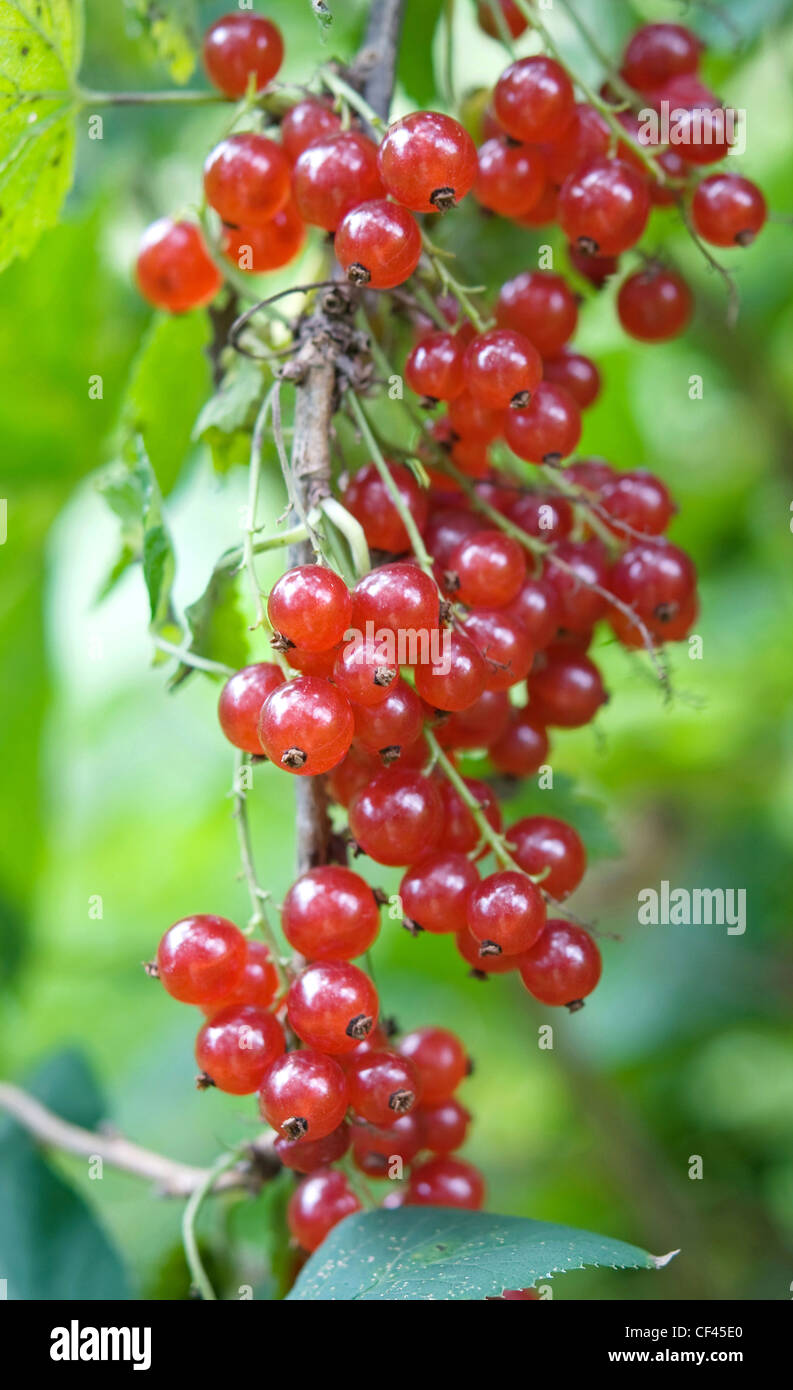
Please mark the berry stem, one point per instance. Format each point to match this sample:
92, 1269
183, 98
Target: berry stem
385, 473
496, 842
201, 663
257, 894
352, 531
452, 285
199, 1277
350, 97
254, 477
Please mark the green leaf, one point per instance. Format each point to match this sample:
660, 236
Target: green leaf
171, 30
217, 626
438, 1253
415, 69
41, 50
169, 381
227, 419
130, 489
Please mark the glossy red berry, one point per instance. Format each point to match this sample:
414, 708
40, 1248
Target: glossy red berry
543, 515
259, 249
565, 688
654, 304
240, 49
592, 475
563, 967
311, 607
444, 1126
434, 368
514, 18
538, 611
352, 773
446, 1182
657, 52
427, 161
307, 1155
577, 570
369, 500
655, 579
478, 725
376, 1147
365, 670
241, 701
397, 817
435, 891
502, 368
399, 599
303, 1095
455, 677
637, 501
440, 1061
446, 527
332, 1006
604, 206
728, 210
523, 746
487, 568
534, 100
541, 306
503, 643
333, 175
578, 375
319, 1203
544, 210
544, 842
378, 244
586, 137
482, 966
236, 1046
201, 959
383, 1085
548, 430
506, 913
174, 268
474, 422
461, 833
306, 726
330, 913
247, 179
304, 123
596, 269
258, 984
703, 129
510, 178
392, 725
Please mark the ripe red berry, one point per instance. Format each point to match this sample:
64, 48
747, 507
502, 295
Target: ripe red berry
445, 529
304, 123
563, 967
487, 568
548, 430
587, 136
565, 688
544, 515
655, 579
502, 368
505, 913
481, 966
174, 268
247, 179
461, 834
538, 611
592, 475
514, 18
365, 670
577, 374
329, 913
434, 891
541, 306
352, 773
446, 1182
454, 678
398, 598
654, 304
657, 52
639, 501
444, 1126
332, 1006
304, 1095
397, 817
523, 746
375, 1147
306, 726
259, 249
319, 1203
333, 175
236, 1046
604, 206
534, 100
367, 497
728, 210
311, 607
239, 47
544, 210
241, 701
258, 984
383, 1085
201, 959
378, 244
544, 842
477, 726
440, 1061
434, 368
596, 269
503, 643
703, 130
574, 569
307, 1155
391, 726
427, 161
510, 178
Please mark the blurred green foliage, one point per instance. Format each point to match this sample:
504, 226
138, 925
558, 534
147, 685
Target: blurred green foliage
114, 787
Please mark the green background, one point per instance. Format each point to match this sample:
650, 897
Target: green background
113, 786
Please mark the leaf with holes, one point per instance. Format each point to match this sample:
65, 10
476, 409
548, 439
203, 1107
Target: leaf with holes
39, 57
442, 1254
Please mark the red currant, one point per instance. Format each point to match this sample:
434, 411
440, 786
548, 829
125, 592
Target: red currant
655, 579
306, 726
397, 817
596, 269
352, 773
332, 1006
311, 607
565, 688
434, 368
258, 985
543, 842
478, 725
236, 1046
534, 100
330, 914
502, 368
473, 421
487, 568
375, 1147
247, 179
378, 244
511, 178
541, 306
319, 1203
333, 175
505, 913
392, 725
456, 677
446, 1182
563, 966
538, 611
587, 136
461, 834
544, 210
654, 304
238, 47
364, 671
174, 269
523, 746
574, 568
444, 1126
304, 123
604, 206
241, 701
307, 1155
434, 891
548, 430
397, 599
369, 500
481, 966
577, 374
593, 475
543, 515
514, 18
201, 959
728, 210
275, 244
440, 1061
638, 501
382, 1086
304, 1095
657, 52
503, 643
427, 161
